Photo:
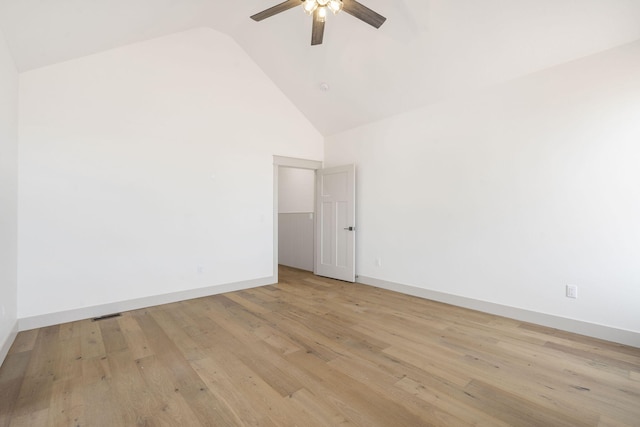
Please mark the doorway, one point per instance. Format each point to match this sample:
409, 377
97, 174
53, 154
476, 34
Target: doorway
295, 178
331, 242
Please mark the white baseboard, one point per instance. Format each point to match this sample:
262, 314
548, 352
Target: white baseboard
594, 330
57, 318
6, 345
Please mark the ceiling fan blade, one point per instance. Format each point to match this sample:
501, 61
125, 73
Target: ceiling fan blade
276, 9
353, 8
317, 32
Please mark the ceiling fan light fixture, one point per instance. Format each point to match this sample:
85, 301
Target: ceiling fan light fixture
310, 6
323, 2
322, 13
335, 6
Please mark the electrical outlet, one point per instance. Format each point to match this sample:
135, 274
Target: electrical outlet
200, 269
378, 262
572, 291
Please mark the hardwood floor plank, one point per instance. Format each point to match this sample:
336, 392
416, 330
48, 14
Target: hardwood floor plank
453, 411
317, 410
597, 358
517, 411
102, 406
248, 303
190, 348
357, 402
432, 364
67, 403
12, 375
136, 402
31, 419
232, 317
68, 361
91, 340
386, 384
24, 341
308, 337
186, 380
35, 391
169, 406
134, 336
278, 379
276, 339
222, 385
112, 336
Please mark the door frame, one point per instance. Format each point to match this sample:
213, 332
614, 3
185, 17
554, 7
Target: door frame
287, 162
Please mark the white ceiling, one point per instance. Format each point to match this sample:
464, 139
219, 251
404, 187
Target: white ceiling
426, 51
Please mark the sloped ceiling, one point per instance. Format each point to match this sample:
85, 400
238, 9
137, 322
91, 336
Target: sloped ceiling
428, 50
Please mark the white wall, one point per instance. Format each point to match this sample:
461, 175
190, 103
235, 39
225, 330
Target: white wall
148, 170
296, 240
8, 197
508, 195
296, 190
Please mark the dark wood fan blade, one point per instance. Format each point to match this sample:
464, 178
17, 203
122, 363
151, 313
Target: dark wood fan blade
317, 32
276, 9
362, 12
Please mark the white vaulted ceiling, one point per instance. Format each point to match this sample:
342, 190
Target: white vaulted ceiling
427, 51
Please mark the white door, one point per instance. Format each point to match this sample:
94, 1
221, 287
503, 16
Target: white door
335, 223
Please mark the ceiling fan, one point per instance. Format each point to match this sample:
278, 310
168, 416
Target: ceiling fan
319, 10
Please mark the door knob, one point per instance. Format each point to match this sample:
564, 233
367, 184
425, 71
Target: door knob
350, 228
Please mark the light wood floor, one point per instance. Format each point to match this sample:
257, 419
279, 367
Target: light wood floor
315, 352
